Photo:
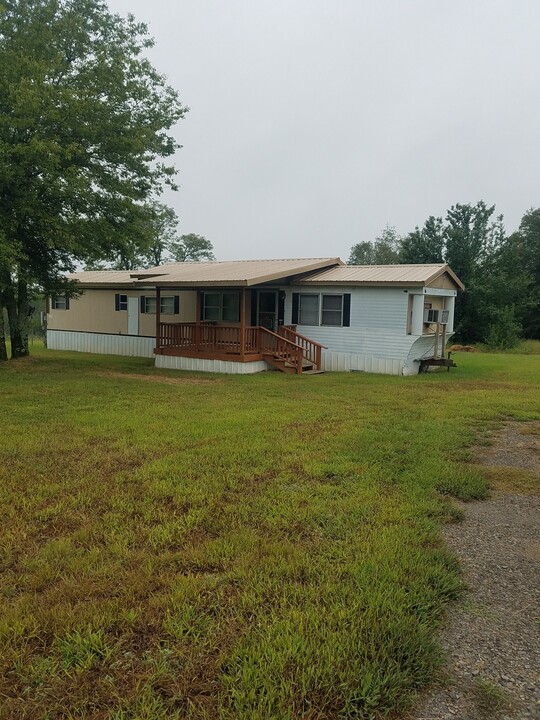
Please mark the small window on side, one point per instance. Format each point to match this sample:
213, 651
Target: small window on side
120, 302
60, 302
150, 305
167, 305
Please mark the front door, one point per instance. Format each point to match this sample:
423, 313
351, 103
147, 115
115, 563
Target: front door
133, 315
267, 309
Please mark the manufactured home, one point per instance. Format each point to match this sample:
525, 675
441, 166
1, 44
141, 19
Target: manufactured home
302, 315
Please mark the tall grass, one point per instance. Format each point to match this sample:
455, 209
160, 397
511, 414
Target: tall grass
190, 546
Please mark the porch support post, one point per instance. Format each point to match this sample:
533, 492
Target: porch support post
243, 323
158, 317
197, 334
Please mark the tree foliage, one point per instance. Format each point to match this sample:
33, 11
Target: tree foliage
84, 137
385, 250
425, 245
191, 248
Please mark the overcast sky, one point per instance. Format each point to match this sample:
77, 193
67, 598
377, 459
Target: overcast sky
314, 123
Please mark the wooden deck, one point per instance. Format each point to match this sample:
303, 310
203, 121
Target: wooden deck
286, 350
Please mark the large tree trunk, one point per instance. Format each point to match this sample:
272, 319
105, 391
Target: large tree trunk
3, 349
17, 306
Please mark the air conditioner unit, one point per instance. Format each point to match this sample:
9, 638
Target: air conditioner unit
436, 316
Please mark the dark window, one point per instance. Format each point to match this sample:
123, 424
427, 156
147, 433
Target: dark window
332, 310
168, 305
221, 307
308, 309
60, 302
120, 302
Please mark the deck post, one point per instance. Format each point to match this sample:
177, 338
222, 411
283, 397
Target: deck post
243, 323
197, 331
158, 317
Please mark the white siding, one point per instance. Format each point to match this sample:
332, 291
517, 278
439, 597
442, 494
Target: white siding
100, 343
377, 339
171, 362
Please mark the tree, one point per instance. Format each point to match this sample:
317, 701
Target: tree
191, 247
362, 253
149, 239
471, 239
527, 248
425, 245
84, 127
383, 251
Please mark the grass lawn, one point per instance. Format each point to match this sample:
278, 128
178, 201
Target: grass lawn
176, 545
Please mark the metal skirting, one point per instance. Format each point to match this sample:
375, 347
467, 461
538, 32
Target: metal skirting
343, 362
101, 343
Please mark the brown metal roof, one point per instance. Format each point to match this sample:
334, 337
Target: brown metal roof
105, 278
232, 272
382, 275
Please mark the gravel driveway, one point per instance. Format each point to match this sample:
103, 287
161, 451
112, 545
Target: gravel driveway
492, 637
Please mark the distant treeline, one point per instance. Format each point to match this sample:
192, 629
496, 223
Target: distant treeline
501, 272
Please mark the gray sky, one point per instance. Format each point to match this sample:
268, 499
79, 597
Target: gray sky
314, 123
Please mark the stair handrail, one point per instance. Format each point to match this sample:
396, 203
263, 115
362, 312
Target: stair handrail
312, 348
298, 350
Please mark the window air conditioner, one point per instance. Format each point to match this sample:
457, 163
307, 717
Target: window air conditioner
436, 316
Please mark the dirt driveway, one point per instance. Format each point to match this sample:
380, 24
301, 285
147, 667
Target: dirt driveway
492, 635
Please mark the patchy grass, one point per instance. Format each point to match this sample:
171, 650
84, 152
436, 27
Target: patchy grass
253, 548
491, 700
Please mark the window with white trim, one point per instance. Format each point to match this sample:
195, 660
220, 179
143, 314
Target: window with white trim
121, 302
326, 309
168, 305
60, 302
221, 307
308, 309
332, 310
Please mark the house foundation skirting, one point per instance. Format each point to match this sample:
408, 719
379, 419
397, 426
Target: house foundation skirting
101, 343
174, 362
343, 362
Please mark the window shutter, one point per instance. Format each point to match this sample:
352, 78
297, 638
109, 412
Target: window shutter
143, 304
253, 308
295, 299
347, 310
176, 304
117, 301
67, 303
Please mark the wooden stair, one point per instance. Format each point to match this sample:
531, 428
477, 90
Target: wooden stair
287, 367
289, 351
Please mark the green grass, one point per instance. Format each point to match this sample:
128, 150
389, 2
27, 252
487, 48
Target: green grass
178, 545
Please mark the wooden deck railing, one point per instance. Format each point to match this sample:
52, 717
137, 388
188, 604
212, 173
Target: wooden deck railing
286, 346
281, 348
312, 350
208, 337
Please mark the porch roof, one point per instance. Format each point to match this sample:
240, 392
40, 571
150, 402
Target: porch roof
232, 272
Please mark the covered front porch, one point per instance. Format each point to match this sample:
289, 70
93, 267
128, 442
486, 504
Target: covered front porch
270, 339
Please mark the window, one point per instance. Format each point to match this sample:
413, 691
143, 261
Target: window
120, 302
329, 310
221, 307
169, 305
150, 305
60, 302
332, 310
308, 310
